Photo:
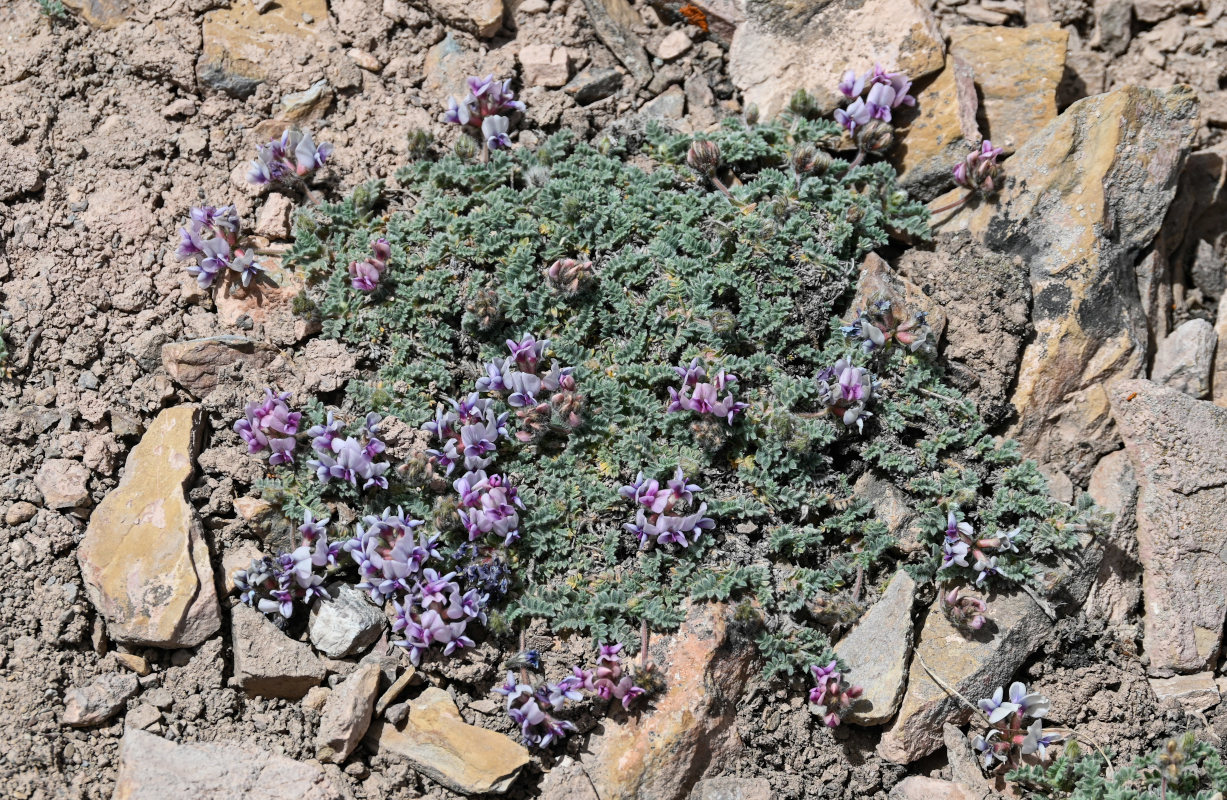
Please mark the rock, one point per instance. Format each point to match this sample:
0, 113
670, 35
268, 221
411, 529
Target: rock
783, 47
1218, 379
144, 559
481, 18
274, 218
614, 21
240, 44
978, 662
1117, 587
1185, 359
394, 691
673, 45
987, 298
1113, 25
1194, 692
347, 714
892, 508
134, 662
316, 698
199, 364
877, 652
266, 306
367, 61
717, 18
143, 717
669, 104
659, 755
545, 65
918, 787
152, 768
1107, 163
878, 280
732, 789
1178, 446
267, 663
439, 744
594, 83
20, 512
311, 103
64, 483
943, 132
100, 699
345, 625
567, 781
101, 14
964, 763
1017, 71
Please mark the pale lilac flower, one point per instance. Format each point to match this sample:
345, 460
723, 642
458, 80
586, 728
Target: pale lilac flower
856, 114
494, 131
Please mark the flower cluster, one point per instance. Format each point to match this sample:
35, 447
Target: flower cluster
1008, 736
882, 324
349, 458
389, 554
533, 708
437, 612
703, 397
964, 611
568, 277
364, 275
832, 694
521, 380
961, 542
293, 156
208, 240
657, 511
272, 426
887, 91
485, 107
979, 172
845, 390
273, 584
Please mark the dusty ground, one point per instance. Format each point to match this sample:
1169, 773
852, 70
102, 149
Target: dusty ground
108, 136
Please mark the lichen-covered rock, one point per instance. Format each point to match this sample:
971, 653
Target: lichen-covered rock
439, 744
268, 663
877, 652
1017, 71
152, 768
346, 624
347, 714
943, 133
1178, 446
782, 47
1185, 358
198, 365
1082, 198
659, 755
144, 558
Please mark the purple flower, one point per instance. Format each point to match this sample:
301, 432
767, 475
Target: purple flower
294, 154
245, 264
494, 131
979, 171
997, 707
273, 416
857, 113
850, 85
956, 530
364, 275
1037, 741
527, 352
985, 567
852, 389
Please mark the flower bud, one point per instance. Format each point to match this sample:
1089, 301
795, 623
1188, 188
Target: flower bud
485, 309
704, 157
752, 114
568, 277
875, 136
537, 175
419, 141
807, 158
465, 148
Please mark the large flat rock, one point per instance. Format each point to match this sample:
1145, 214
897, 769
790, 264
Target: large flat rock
144, 558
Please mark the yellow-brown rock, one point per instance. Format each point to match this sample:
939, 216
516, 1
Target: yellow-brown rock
659, 754
1082, 198
1017, 72
101, 14
943, 131
240, 43
144, 558
439, 744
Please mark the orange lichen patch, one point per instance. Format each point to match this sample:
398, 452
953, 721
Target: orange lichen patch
694, 15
